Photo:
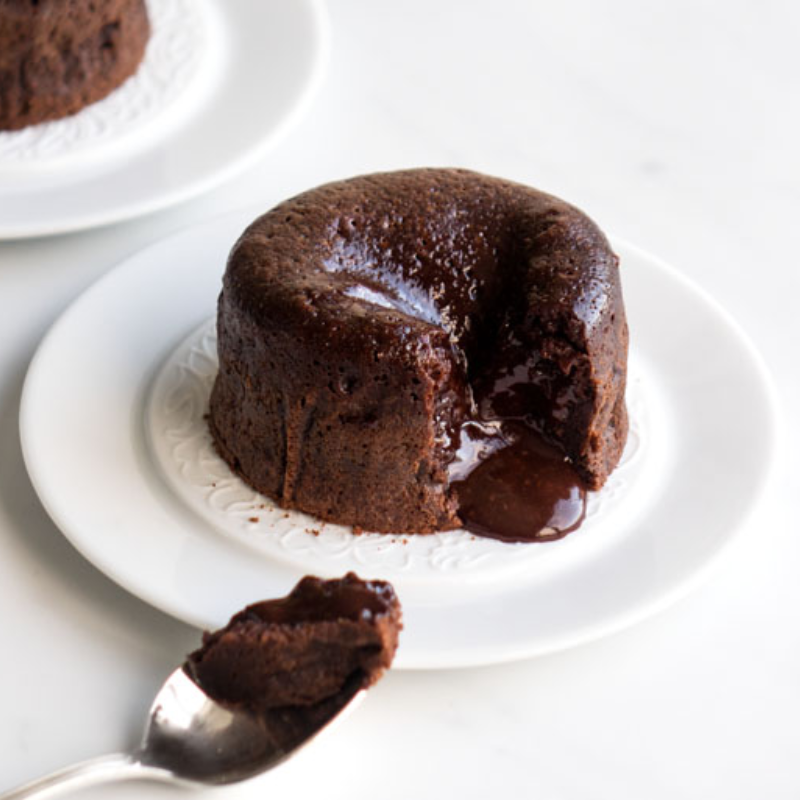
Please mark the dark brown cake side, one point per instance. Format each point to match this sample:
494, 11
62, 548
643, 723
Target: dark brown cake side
301, 649
361, 324
57, 57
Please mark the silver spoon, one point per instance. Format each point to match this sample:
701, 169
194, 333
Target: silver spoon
192, 739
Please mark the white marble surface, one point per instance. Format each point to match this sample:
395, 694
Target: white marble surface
675, 125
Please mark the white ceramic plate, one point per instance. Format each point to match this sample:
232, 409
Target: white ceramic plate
142, 149
96, 395
451, 566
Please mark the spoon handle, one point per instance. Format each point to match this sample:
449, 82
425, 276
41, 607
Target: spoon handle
115, 767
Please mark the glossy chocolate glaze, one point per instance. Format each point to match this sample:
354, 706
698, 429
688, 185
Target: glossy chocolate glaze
377, 319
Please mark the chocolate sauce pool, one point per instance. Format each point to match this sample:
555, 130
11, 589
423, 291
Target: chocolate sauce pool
513, 486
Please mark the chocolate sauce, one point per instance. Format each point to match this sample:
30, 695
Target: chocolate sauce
513, 486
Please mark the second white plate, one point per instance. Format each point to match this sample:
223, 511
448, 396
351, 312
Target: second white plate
96, 473
266, 60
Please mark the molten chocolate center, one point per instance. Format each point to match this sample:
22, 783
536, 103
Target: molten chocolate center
511, 485
510, 482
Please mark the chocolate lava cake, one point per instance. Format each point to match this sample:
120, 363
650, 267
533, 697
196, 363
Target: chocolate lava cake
57, 57
382, 337
301, 649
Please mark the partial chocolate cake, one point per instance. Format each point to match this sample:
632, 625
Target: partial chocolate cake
57, 57
302, 649
395, 348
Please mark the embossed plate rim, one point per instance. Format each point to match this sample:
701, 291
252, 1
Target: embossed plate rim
91, 469
183, 452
